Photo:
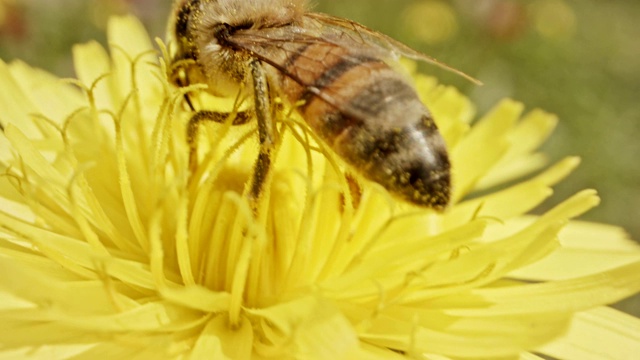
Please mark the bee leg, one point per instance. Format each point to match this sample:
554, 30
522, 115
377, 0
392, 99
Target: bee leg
198, 118
266, 132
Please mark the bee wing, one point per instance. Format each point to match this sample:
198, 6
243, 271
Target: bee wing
374, 38
321, 28
277, 47
278, 41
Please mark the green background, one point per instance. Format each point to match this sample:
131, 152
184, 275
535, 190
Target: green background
577, 59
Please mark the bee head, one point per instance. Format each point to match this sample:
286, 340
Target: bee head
181, 40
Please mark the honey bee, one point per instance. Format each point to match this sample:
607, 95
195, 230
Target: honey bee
341, 75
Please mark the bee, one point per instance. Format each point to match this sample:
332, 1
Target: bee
341, 75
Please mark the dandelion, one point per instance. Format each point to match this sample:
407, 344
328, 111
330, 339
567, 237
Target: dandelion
112, 247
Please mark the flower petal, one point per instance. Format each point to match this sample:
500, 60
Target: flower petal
48, 93
306, 328
93, 68
134, 62
218, 340
431, 332
520, 159
16, 106
472, 157
557, 296
512, 201
598, 334
586, 249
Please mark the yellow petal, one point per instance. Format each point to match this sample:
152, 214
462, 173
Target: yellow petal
219, 340
199, 298
520, 159
52, 97
93, 68
512, 201
598, 334
557, 296
131, 347
306, 328
529, 356
45, 352
134, 60
489, 338
16, 106
483, 147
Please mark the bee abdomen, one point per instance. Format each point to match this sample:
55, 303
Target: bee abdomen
378, 125
410, 162
394, 142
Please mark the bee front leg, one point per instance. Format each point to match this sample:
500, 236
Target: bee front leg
266, 132
201, 116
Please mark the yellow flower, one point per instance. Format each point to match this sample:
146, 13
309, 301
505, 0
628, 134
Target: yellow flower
110, 247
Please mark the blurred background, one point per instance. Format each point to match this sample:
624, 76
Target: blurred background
579, 59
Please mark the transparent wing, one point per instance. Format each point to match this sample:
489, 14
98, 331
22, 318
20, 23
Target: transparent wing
277, 46
282, 48
353, 31
277, 43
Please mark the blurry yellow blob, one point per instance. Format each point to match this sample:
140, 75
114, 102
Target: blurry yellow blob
553, 19
431, 21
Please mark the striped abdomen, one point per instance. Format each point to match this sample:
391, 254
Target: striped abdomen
372, 117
